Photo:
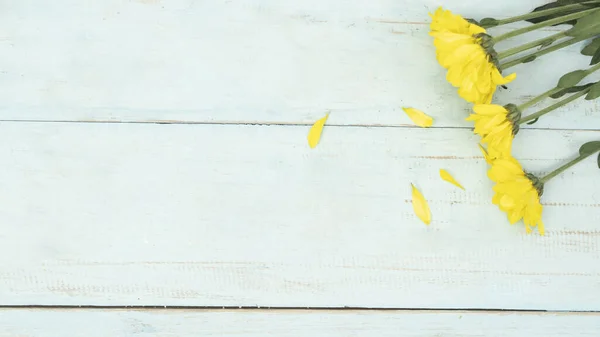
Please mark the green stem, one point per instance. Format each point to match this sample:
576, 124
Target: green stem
551, 92
545, 12
593, 69
560, 19
553, 107
543, 41
563, 168
538, 99
544, 51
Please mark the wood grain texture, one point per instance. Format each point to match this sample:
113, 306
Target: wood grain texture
268, 61
134, 214
259, 323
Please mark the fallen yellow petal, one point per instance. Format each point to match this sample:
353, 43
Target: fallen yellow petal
419, 117
314, 135
449, 178
420, 206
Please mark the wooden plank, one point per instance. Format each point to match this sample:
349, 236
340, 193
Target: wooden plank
134, 214
268, 61
288, 323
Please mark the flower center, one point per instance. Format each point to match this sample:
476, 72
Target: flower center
487, 43
536, 182
513, 116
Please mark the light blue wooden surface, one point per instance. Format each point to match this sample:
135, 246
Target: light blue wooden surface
154, 153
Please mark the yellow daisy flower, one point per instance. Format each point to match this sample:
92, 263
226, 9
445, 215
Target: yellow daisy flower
466, 50
497, 125
517, 193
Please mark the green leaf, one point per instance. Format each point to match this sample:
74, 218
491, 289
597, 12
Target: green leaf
571, 2
473, 21
488, 22
571, 90
589, 148
596, 57
598, 160
561, 3
591, 48
594, 92
529, 59
533, 121
547, 43
587, 25
560, 94
571, 79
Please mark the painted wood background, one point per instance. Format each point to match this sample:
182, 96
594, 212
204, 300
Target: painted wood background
285, 323
154, 154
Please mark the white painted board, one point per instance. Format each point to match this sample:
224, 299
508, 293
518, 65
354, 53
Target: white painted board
267, 61
143, 214
290, 323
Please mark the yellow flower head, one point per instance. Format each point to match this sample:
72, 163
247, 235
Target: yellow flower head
517, 193
466, 50
497, 126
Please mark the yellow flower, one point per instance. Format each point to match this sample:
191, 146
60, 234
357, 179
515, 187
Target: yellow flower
497, 126
466, 50
517, 193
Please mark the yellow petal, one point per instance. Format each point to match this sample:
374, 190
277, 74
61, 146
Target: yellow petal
499, 79
420, 206
541, 229
489, 109
486, 156
314, 135
419, 117
449, 178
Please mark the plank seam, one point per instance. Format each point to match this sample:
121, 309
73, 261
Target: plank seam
279, 308
400, 126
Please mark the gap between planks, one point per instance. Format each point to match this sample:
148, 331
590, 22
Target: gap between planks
281, 308
245, 123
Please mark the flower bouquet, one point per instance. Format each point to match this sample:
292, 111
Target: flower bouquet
477, 66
